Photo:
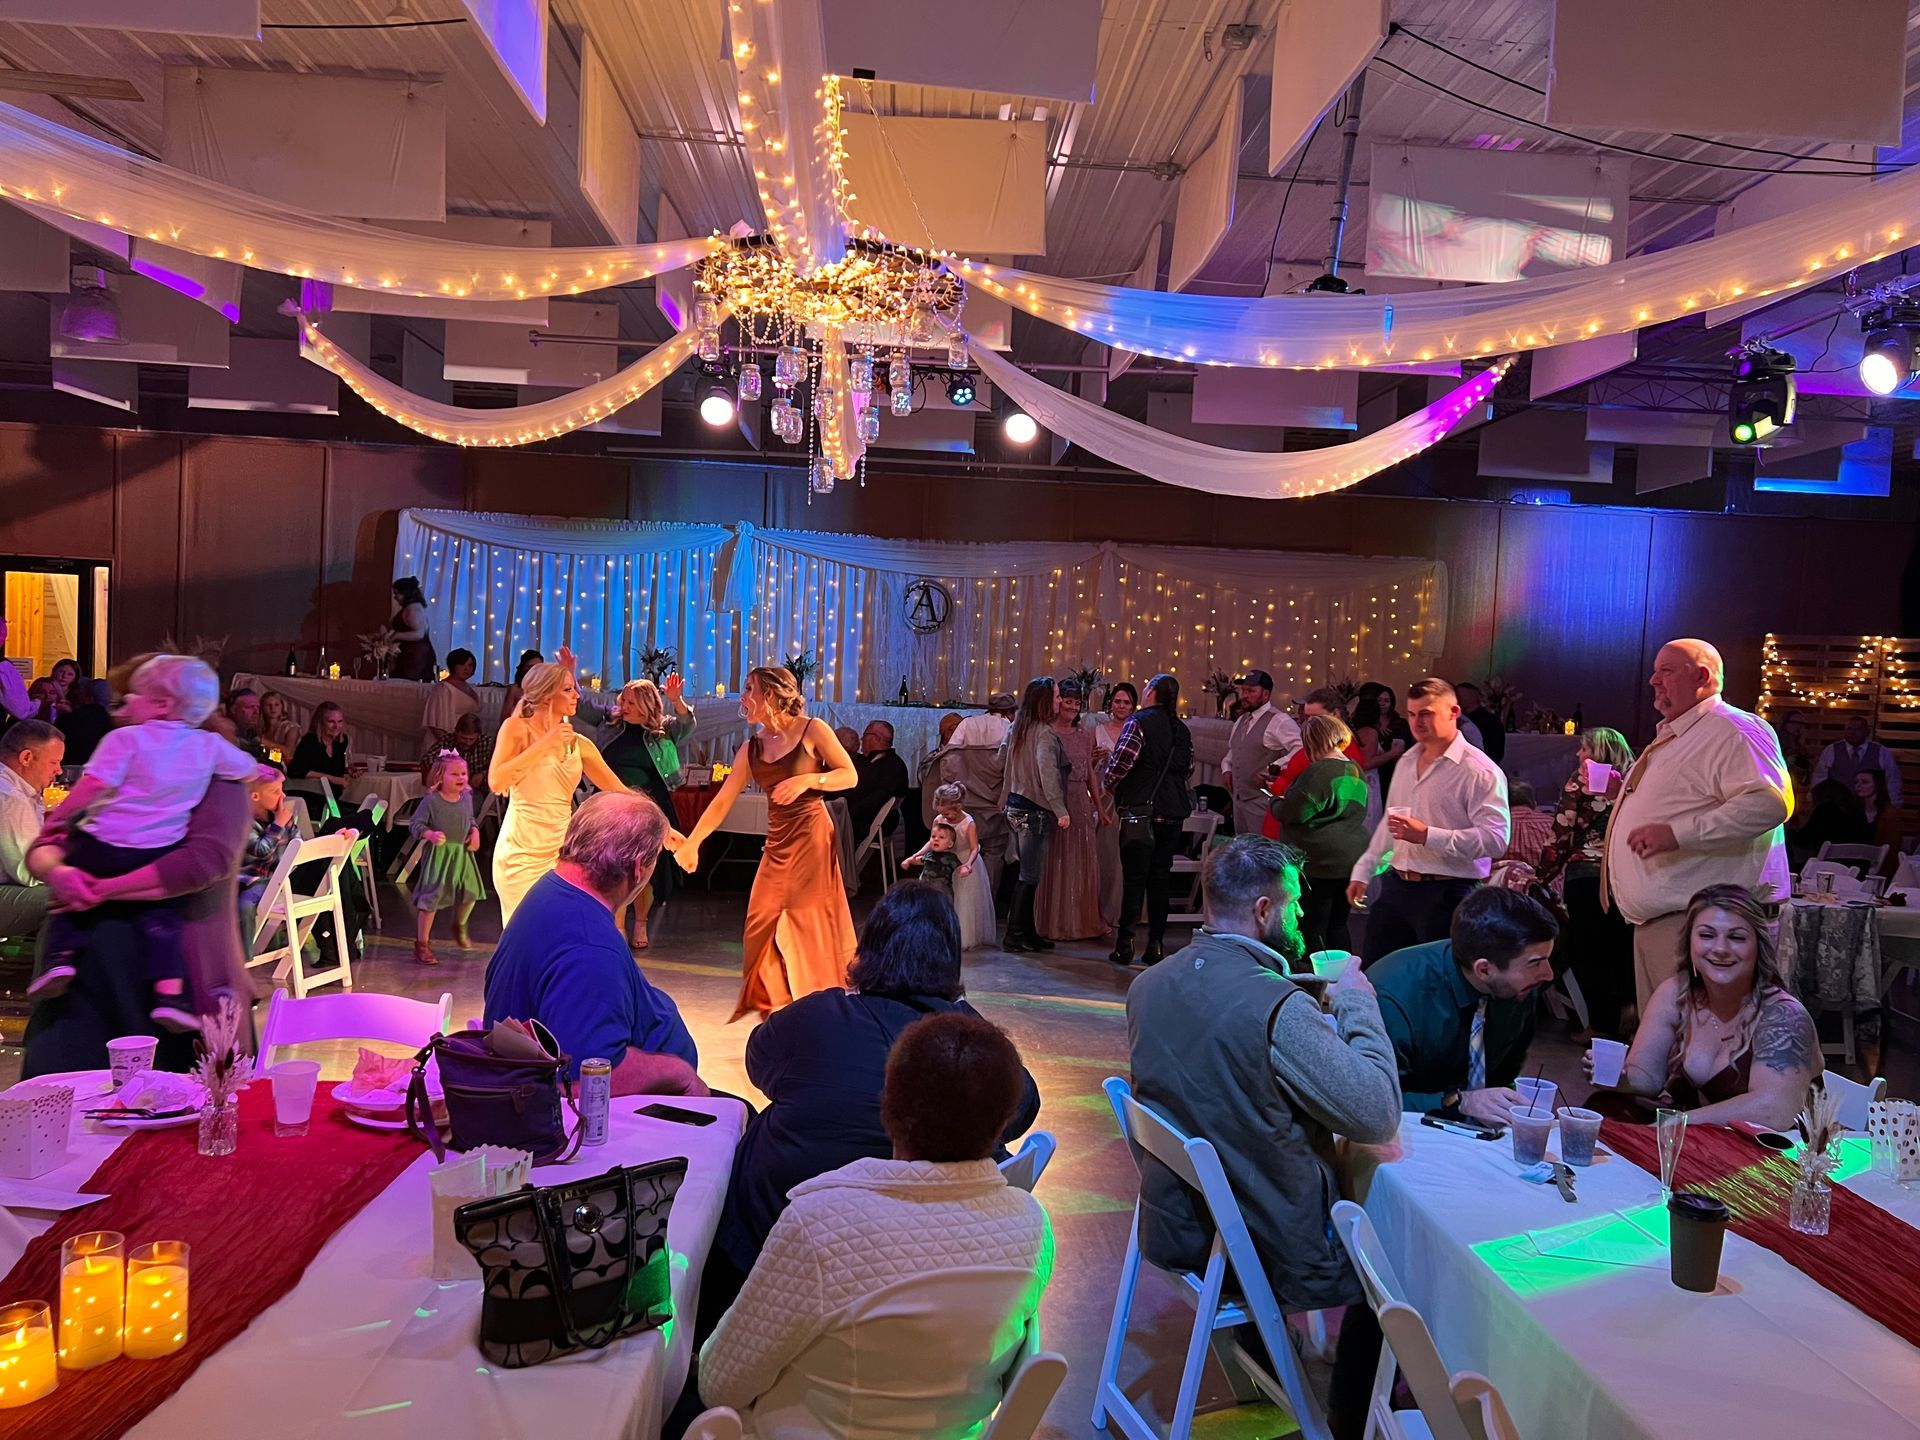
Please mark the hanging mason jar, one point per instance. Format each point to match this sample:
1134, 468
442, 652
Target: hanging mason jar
957, 351
709, 348
860, 372
820, 476
825, 397
786, 420
789, 367
706, 314
900, 372
920, 325
903, 399
749, 383
869, 425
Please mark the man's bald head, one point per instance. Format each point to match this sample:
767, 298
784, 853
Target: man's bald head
1685, 672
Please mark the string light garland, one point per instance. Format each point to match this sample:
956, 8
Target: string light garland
1877, 675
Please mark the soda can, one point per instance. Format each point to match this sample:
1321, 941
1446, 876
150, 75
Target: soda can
596, 1100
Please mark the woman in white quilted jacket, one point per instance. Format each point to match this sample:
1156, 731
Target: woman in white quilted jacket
895, 1297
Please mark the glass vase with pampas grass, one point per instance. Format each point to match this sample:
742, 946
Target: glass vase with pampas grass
224, 1070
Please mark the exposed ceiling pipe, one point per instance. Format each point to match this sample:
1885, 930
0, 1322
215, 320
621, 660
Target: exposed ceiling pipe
1349, 141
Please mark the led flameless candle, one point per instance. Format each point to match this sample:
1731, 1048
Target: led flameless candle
333, 671
27, 1371
93, 1283
156, 1299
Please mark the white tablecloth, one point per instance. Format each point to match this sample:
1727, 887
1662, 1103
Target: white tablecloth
748, 816
383, 716
368, 1344
394, 788
1616, 1351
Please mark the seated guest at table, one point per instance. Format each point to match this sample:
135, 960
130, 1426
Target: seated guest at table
13, 685
1323, 815
821, 1062
323, 749
65, 674
1870, 789
447, 701
510, 706
1858, 751
43, 701
883, 777
475, 746
274, 827
1473, 706
1728, 1007
1837, 818
86, 722
641, 745
562, 960
31, 754
278, 729
1223, 1045
1596, 944
409, 626
1460, 1012
849, 741
243, 709
1532, 827
825, 1340
1446, 820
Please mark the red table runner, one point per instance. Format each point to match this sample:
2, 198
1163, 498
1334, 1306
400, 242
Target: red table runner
255, 1219
1869, 1257
690, 803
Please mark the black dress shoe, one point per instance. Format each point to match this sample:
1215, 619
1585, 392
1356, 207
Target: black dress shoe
1018, 944
1153, 956
1039, 942
1122, 955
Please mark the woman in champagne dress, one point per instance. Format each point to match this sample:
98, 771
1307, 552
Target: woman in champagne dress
1068, 905
537, 764
799, 935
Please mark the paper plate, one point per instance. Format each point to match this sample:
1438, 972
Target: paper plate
172, 1122
378, 1122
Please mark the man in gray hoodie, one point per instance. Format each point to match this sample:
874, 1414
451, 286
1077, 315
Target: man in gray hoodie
1223, 1045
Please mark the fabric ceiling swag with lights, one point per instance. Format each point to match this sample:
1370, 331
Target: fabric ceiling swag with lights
1316, 332
723, 599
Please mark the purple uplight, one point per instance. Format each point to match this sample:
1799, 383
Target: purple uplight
183, 284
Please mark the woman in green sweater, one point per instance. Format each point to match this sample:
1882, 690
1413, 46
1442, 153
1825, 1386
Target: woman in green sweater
1323, 815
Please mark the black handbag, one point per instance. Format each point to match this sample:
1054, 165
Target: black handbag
518, 1102
575, 1266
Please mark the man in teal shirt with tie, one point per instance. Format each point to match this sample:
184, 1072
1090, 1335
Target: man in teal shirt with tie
1460, 1011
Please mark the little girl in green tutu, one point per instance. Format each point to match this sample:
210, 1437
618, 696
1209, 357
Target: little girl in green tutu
445, 874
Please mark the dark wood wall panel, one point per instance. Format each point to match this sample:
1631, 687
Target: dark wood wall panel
581, 487
145, 595
693, 492
56, 492
1467, 539
250, 564
366, 489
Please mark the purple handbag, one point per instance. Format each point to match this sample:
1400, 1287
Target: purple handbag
518, 1102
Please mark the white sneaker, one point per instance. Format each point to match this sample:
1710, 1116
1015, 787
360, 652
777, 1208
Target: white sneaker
171, 1018
52, 981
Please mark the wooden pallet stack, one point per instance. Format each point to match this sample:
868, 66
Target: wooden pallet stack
1829, 679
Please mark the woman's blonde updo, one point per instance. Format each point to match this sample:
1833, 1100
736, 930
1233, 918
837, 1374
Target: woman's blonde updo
779, 691
543, 683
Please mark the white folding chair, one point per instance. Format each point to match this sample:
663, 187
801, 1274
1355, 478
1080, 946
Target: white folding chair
719, 1423
1855, 1098
1451, 1406
374, 810
321, 787
1026, 1165
410, 857
1232, 1257
1862, 860
295, 915
302, 822
1029, 1393
361, 1016
1480, 1403
875, 841
1188, 909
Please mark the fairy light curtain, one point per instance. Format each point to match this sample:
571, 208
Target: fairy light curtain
723, 599
1314, 331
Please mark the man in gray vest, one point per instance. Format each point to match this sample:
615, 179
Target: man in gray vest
1859, 751
1225, 1047
1264, 736
971, 759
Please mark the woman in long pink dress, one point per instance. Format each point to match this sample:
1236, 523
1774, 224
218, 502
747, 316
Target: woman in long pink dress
1068, 905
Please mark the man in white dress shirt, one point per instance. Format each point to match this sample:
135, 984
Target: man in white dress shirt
1705, 804
1859, 751
1446, 823
31, 752
1264, 736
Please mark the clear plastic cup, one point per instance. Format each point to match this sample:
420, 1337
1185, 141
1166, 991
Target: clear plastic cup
1609, 1056
293, 1086
1530, 1131
1599, 775
1579, 1133
1536, 1094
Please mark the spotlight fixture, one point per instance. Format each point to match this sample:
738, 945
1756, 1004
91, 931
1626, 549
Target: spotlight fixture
90, 314
716, 401
1761, 396
1019, 427
1887, 346
960, 389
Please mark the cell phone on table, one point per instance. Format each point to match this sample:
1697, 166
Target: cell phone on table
1459, 1124
677, 1115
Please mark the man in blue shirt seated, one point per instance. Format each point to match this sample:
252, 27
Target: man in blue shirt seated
563, 961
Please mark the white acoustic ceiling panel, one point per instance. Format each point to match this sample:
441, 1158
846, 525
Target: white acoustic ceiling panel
480, 230
515, 34
1561, 367
1545, 445
1319, 47
1203, 212
609, 149
266, 375
33, 254
336, 144
1662, 467
975, 186
1002, 47
1308, 399
229, 19
673, 289
509, 355
95, 237
216, 284
104, 384
1811, 69
643, 417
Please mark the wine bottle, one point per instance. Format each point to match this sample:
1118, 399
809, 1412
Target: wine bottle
293, 662
1579, 720
903, 690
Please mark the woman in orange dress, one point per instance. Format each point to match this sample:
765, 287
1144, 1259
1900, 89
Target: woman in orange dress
799, 935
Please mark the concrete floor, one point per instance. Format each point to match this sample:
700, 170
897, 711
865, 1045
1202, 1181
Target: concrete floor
1066, 1011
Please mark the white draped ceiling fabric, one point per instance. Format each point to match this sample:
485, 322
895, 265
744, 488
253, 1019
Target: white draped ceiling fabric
726, 598
1328, 331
